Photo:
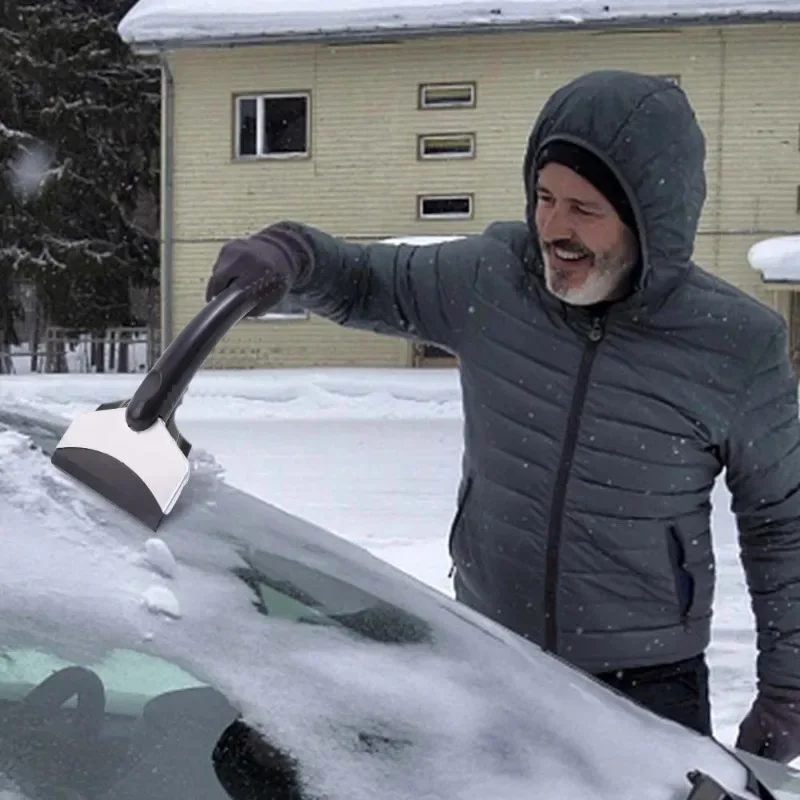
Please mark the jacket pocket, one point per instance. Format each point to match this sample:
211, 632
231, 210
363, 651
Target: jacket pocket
684, 582
462, 504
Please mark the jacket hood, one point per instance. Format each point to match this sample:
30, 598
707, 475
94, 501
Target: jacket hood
647, 133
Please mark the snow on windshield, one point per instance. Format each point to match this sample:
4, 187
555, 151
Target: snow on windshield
777, 259
470, 713
48, 558
160, 20
10, 792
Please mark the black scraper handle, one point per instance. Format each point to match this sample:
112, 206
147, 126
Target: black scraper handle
161, 391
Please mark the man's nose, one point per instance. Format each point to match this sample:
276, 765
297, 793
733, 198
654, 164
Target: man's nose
554, 224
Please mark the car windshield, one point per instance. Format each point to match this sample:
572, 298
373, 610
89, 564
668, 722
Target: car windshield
134, 726
264, 658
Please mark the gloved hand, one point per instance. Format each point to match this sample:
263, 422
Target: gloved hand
772, 727
270, 263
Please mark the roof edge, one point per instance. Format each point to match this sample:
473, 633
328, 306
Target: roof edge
387, 33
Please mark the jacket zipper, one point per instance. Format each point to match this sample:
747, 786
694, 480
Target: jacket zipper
554, 529
459, 513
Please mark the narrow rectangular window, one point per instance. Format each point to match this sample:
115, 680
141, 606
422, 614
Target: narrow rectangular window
447, 95
248, 126
445, 206
446, 145
273, 126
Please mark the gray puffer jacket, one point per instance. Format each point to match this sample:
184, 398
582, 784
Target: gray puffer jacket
592, 442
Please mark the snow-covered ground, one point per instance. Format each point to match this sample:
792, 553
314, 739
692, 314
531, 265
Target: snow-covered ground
374, 455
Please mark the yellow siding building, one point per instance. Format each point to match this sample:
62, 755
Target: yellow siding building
424, 135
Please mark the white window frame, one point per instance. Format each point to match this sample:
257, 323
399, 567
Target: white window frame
260, 97
455, 196
428, 137
426, 106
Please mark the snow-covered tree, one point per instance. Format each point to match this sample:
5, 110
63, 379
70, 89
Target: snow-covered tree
79, 134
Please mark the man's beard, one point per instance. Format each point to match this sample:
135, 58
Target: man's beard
606, 274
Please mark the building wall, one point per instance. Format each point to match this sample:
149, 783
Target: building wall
363, 177
760, 165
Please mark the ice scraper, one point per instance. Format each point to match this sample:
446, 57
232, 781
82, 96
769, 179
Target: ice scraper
130, 451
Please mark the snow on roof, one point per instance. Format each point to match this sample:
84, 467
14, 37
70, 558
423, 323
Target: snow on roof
161, 21
777, 259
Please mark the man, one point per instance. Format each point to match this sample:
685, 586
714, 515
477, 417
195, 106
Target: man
607, 381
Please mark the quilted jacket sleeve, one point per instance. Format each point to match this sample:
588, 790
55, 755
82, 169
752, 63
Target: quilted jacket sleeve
415, 292
763, 475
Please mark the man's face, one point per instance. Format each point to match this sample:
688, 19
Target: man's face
588, 252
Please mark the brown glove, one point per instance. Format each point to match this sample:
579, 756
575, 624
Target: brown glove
772, 727
269, 263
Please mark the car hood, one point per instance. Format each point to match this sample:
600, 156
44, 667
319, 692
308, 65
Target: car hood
479, 711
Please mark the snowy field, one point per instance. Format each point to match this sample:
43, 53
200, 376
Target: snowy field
374, 455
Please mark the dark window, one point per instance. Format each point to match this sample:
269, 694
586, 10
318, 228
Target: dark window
248, 126
285, 125
454, 206
447, 95
454, 145
273, 126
